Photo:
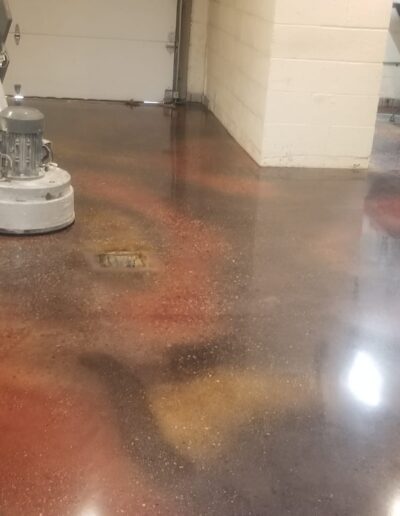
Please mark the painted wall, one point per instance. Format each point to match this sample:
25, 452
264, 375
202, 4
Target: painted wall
324, 82
390, 88
296, 83
238, 57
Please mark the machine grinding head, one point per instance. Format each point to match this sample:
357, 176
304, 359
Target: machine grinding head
35, 195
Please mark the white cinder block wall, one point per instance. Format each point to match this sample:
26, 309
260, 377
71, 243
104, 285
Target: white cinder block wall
296, 83
391, 74
324, 82
238, 46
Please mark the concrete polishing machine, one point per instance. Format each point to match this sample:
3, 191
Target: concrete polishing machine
35, 195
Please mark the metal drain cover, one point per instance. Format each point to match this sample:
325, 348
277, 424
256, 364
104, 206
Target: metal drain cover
122, 260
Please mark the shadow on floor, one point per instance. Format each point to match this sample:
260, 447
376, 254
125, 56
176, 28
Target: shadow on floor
187, 362
139, 430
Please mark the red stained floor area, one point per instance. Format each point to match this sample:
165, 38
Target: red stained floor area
248, 365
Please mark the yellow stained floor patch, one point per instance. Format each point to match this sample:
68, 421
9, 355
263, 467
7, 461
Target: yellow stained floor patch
203, 416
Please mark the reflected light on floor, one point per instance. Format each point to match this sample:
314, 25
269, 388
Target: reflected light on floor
395, 509
89, 511
365, 380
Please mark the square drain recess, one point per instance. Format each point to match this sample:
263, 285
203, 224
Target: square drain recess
122, 260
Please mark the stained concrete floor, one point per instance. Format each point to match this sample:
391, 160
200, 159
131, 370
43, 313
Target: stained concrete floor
249, 364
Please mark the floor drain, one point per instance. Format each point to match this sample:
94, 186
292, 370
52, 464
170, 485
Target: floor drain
122, 260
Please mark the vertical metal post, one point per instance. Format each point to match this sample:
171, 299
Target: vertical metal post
182, 43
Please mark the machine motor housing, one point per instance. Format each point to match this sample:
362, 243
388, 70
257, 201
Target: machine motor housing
21, 143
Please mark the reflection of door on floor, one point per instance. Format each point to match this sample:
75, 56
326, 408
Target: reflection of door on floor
93, 49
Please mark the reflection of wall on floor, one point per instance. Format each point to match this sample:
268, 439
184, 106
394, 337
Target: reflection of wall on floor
391, 74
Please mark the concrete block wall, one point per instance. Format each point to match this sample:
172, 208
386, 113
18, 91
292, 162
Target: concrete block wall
295, 83
390, 88
238, 55
324, 82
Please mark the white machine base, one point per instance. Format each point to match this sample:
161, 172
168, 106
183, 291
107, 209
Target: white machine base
37, 206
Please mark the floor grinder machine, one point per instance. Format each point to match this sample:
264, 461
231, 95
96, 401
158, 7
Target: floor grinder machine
35, 195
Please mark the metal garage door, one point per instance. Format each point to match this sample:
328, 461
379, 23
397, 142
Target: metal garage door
93, 49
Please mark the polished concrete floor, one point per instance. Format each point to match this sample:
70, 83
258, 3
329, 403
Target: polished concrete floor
247, 365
